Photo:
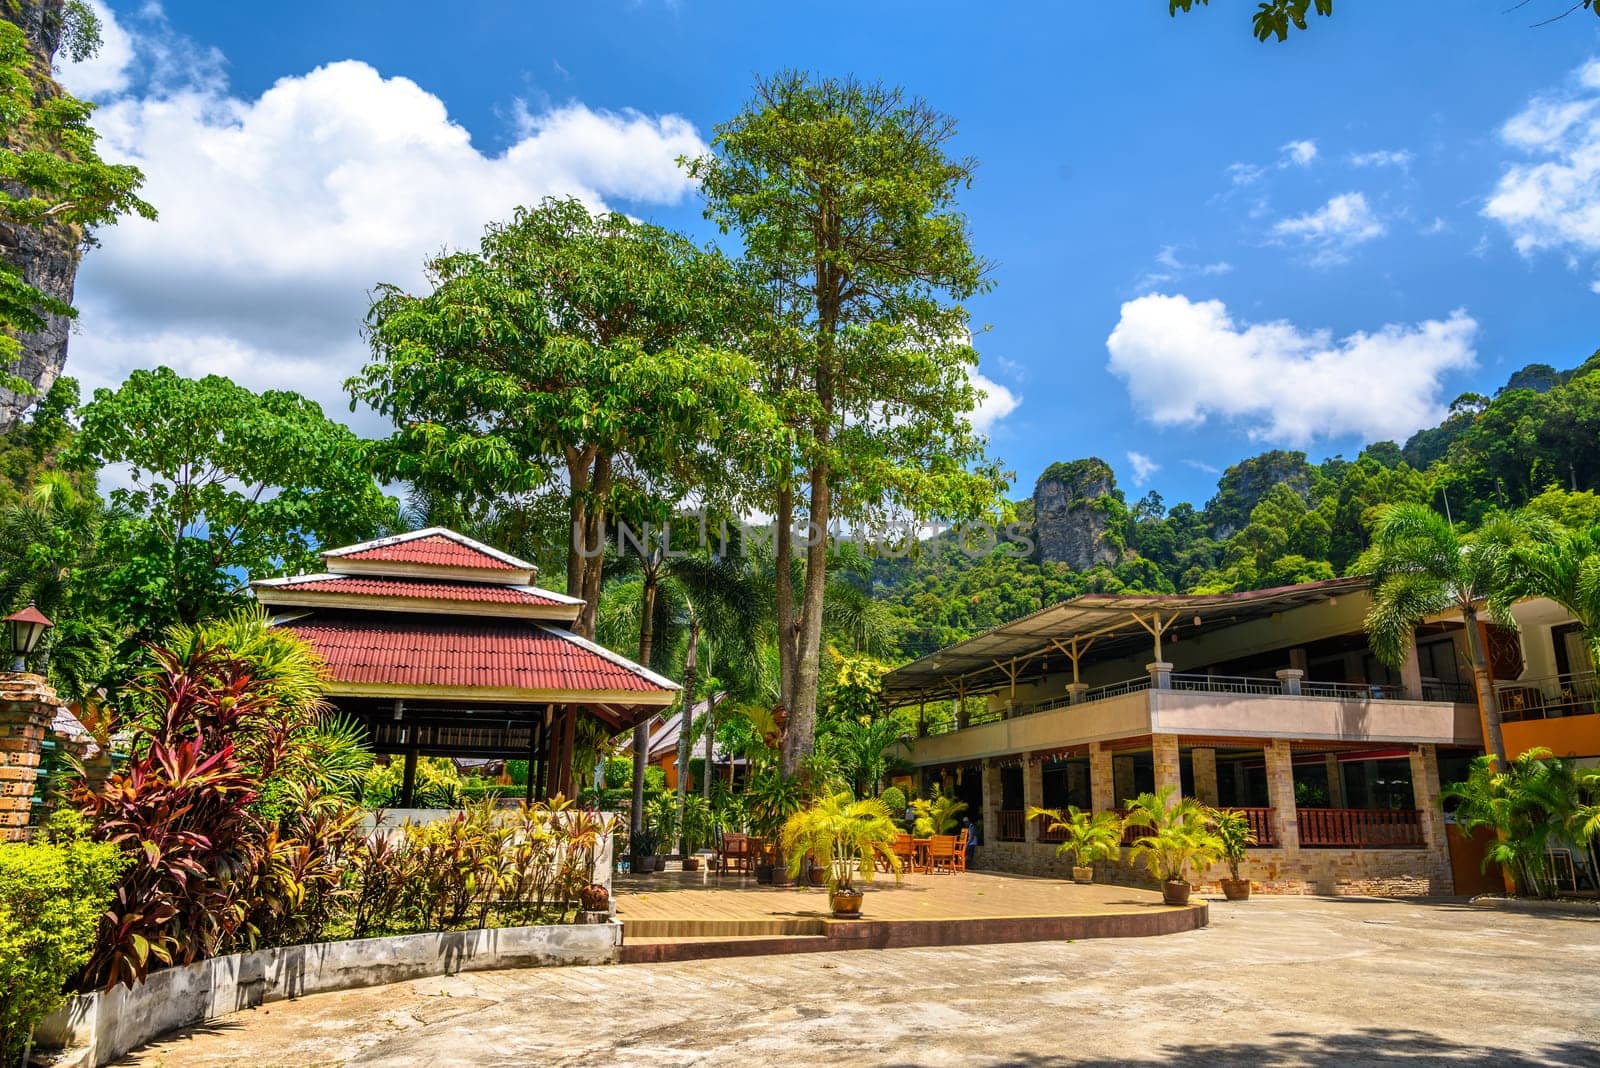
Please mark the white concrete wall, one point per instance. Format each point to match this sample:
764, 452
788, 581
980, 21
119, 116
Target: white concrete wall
104, 1025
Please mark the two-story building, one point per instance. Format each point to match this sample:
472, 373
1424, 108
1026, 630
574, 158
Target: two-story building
1268, 701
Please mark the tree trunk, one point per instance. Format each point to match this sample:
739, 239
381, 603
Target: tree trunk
641, 732
1488, 702
801, 736
784, 552
685, 742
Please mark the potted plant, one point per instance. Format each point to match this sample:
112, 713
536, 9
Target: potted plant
645, 843
662, 817
1177, 836
851, 836
1089, 837
696, 830
1233, 831
773, 799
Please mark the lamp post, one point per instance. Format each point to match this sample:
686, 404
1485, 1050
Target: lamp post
24, 630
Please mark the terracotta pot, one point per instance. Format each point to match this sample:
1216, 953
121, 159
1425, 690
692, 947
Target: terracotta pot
595, 898
1235, 889
764, 874
691, 863
1082, 875
1175, 893
846, 904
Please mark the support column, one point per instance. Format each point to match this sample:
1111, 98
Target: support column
1411, 671
992, 796
1122, 779
1205, 775
27, 705
1032, 796
1280, 794
1335, 782
1160, 674
1425, 795
1289, 679
1076, 692
1164, 755
1102, 789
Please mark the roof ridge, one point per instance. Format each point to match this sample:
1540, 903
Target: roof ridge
515, 562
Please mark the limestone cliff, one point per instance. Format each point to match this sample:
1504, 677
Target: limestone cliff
47, 256
1072, 526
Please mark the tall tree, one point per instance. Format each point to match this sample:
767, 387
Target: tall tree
577, 354
1421, 567
54, 191
844, 197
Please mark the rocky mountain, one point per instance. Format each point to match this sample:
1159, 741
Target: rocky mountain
1073, 524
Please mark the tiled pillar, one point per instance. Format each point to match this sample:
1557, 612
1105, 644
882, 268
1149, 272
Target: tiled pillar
1102, 788
1164, 755
1205, 775
992, 796
1160, 674
1425, 791
27, 705
1289, 679
1280, 794
1335, 782
1076, 692
1032, 796
1121, 779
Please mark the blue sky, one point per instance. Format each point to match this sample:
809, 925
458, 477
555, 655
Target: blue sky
1204, 246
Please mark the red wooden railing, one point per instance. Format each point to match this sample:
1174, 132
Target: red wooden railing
1011, 825
1260, 820
1047, 835
1360, 828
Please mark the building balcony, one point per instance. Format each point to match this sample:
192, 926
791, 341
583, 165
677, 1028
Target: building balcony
1213, 706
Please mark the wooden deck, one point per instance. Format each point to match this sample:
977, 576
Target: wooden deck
679, 915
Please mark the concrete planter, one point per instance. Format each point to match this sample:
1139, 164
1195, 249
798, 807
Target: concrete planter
102, 1026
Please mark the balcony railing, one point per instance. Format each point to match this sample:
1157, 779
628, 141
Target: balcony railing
1549, 698
1242, 684
1012, 825
1360, 828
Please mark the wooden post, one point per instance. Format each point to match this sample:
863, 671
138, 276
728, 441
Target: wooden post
533, 758
408, 783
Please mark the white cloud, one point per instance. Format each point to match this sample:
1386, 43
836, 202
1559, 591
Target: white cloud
1188, 362
1383, 157
1173, 267
1552, 199
1299, 153
280, 213
1143, 467
998, 402
1201, 465
1245, 173
1334, 229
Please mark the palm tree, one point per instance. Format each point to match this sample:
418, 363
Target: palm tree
1534, 798
846, 834
1558, 563
1178, 835
865, 749
1089, 836
1421, 567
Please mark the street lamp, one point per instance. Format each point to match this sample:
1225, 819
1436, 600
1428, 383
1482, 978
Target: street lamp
23, 630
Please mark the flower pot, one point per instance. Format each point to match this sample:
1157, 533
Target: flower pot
595, 898
1175, 892
650, 864
1082, 875
764, 874
846, 904
1235, 889
817, 876
691, 863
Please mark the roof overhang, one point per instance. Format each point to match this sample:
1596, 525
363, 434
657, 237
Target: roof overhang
1110, 625
304, 595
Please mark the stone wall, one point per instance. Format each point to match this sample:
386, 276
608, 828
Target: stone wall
27, 705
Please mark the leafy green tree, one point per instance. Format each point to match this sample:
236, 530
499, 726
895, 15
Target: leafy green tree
1528, 802
223, 484
1559, 563
843, 196
54, 187
582, 355
1244, 484
1421, 566
1272, 18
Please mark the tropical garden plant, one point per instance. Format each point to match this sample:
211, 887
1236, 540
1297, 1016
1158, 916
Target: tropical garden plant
1233, 832
848, 836
937, 814
1178, 837
1088, 836
1533, 804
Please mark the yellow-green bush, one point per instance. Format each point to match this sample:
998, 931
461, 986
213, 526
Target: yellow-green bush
52, 895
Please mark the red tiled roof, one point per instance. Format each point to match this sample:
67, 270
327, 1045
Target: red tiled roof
435, 549
432, 589
488, 654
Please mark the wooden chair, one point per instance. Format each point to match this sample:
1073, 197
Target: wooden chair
904, 851
734, 853
942, 853
961, 850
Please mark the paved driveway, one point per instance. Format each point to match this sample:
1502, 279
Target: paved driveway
1279, 980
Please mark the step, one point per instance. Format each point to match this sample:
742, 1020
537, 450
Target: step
657, 951
702, 927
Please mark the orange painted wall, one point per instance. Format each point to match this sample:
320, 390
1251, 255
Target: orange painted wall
1565, 737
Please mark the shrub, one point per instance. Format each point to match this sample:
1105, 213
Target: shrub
894, 799
52, 894
438, 784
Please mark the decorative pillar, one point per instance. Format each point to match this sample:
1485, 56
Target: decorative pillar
1032, 796
27, 705
1411, 671
1160, 674
1164, 756
1122, 779
1076, 692
1204, 762
992, 797
1335, 782
1425, 795
1289, 679
1280, 794
1102, 788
